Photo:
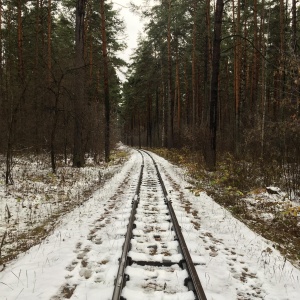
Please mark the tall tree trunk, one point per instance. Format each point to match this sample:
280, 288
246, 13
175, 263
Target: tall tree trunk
281, 86
106, 84
53, 135
207, 65
37, 116
264, 79
149, 120
157, 119
8, 171
156, 122
1, 60
294, 26
170, 98
79, 84
194, 65
211, 153
49, 32
1, 72
254, 79
56, 94
49, 76
178, 97
131, 130
165, 123
140, 138
237, 76
91, 48
37, 32
187, 111
295, 83
20, 42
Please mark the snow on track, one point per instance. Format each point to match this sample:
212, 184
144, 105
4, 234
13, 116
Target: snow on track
153, 246
80, 259
237, 263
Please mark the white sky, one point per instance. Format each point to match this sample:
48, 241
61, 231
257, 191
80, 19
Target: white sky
134, 26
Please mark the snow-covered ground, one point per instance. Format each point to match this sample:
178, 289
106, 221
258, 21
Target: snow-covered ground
79, 260
30, 208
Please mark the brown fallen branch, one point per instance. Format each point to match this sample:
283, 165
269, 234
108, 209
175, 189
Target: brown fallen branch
2, 241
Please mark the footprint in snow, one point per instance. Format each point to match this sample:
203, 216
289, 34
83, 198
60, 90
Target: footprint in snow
72, 265
251, 286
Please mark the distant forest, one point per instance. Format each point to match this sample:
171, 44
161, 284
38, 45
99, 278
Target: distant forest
216, 77
52, 77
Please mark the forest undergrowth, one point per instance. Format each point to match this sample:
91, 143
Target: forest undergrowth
32, 207
254, 193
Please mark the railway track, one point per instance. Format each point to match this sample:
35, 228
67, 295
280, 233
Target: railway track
155, 262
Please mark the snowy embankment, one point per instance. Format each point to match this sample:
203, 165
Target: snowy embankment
237, 262
80, 259
31, 207
81, 253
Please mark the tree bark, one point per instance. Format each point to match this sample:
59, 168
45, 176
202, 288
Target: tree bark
165, 124
255, 71
178, 97
78, 153
106, 84
49, 32
294, 26
1, 72
170, 98
237, 77
263, 84
282, 59
8, 171
149, 121
295, 83
1, 60
37, 77
20, 42
194, 108
207, 64
56, 94
211, 153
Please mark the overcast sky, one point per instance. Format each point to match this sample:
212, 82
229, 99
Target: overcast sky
134, 25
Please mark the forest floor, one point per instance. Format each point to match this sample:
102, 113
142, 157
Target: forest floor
238, 186
56, 240
32, 207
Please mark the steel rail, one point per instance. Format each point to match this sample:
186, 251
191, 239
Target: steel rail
119, 283
196, 284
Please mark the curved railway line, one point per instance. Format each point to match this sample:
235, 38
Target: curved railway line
154, 250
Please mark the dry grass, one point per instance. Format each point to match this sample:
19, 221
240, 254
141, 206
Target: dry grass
39, 185
229, 186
